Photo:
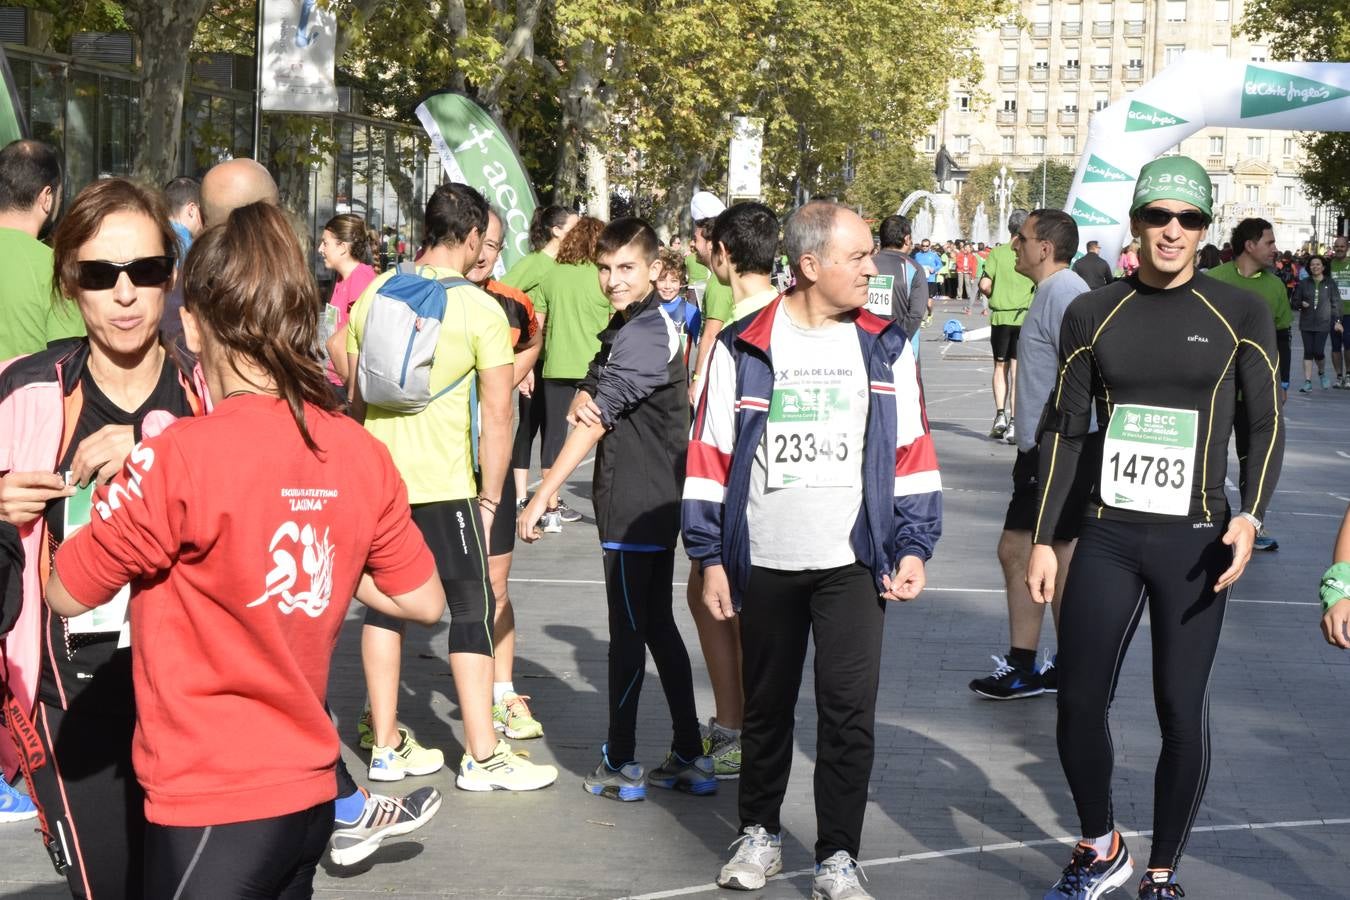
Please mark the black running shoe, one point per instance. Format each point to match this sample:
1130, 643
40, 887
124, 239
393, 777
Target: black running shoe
1160, 884
1050, 676
1007, 682
1086, 877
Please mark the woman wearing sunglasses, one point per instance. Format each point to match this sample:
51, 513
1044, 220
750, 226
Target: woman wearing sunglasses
238, 592
69, 418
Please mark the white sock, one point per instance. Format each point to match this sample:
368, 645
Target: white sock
715, 725
501, 688
1102, 844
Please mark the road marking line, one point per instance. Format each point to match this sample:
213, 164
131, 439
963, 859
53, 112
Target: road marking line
927, 590
998, 848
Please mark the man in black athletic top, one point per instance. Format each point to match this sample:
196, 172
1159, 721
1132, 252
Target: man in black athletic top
1161, 356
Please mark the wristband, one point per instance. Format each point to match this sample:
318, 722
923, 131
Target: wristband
1335, 585
490, 504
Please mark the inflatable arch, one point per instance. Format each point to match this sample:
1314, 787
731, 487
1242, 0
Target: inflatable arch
1194, 93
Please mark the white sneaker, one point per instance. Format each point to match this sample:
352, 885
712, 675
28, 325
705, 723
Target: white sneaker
758, 858
551, 522
1010, 436
504, 770
837, 879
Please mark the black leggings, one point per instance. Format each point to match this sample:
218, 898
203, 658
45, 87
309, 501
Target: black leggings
1117, 568
531, 411
1314, 345
262, 859
1283, 346
93, 803
840, 608
638, 589
557, 394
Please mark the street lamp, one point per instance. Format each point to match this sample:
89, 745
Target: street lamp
1003, 188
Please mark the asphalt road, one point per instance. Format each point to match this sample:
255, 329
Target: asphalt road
967, 796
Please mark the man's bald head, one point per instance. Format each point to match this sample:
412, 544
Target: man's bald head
232, 184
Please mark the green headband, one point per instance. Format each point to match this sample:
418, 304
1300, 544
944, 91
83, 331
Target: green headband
1174, 178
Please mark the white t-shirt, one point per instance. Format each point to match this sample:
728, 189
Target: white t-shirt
806, 481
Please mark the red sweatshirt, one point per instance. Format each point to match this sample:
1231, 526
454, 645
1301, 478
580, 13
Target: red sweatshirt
242, 548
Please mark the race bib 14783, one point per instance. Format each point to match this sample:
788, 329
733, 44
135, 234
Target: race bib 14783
1148, 459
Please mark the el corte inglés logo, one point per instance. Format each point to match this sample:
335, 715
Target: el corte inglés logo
1142, 117
1085, 214
1100, 170
1265, 91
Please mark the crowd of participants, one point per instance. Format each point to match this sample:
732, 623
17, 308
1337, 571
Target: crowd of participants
173, 342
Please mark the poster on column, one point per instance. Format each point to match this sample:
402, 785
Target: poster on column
1199, 91
299, 46
474, 150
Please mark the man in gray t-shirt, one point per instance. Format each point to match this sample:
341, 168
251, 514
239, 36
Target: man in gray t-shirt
1043, 246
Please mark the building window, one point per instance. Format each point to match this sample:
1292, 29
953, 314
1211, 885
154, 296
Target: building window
1009, 103
1136, 63
962, 142
1256, 146
1103, 13
1253, 192
930, 143
1216, 145
1221, 10
963, 102
1172, 53
1070, 144
1176, 10
1072, 12
1288, 195
1258, 54
1288, 146
1041, 59
1038, 143
1070, 104
1009, 145
1072, 61
1101, 100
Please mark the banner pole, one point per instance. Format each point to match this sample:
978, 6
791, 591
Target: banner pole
257, 77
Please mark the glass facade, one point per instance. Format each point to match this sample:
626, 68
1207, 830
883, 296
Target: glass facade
380, 170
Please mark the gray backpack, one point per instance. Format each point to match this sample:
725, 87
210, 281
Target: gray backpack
398, 341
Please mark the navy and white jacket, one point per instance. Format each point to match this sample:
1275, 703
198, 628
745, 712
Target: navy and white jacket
901, 511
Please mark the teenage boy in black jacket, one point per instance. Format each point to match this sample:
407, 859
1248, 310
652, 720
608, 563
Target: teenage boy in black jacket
633, 404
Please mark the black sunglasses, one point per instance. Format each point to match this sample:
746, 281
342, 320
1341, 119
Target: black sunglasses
1157, 217
148, 271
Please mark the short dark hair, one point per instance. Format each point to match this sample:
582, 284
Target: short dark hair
1059, 228
749, 232
1248, 230
629, 230
893, 231
453, 211
181, 191
1093, 245
26, 168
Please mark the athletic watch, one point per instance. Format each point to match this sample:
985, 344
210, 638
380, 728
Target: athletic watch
1256, 523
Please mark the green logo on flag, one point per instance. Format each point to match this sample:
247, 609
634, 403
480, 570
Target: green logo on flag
1142, 117
1099, 169
1265, 91
1084, 214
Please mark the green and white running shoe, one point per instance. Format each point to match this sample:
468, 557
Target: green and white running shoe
724, 746
504, 770
512, 717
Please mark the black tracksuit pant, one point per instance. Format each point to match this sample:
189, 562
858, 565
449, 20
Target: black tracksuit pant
839, 608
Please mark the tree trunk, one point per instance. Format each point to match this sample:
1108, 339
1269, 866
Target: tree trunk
164, 29
597, 183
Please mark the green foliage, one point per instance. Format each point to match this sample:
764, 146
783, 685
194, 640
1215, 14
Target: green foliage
1319, 31
885, 175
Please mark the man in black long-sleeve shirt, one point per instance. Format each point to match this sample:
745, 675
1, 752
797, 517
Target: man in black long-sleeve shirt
1161, 357
1092, 268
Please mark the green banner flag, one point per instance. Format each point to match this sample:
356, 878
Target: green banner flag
1099, 169
12, 125
1142, 117
1265, 91
475, 151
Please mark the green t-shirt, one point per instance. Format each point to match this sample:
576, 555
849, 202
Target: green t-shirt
1011, 296
31, 320
695, 270
1264, 285
1340, 273
718, 303
575, 312
529, 271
